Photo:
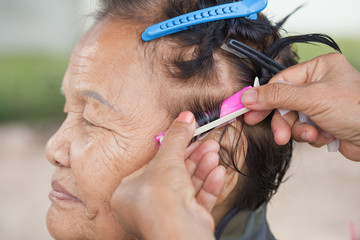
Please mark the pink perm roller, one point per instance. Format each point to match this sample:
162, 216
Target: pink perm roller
232, 104
231, 108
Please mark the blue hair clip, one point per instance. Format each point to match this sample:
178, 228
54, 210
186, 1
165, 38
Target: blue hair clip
245, 8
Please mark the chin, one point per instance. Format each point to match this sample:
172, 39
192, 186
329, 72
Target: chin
72, 225
63, 224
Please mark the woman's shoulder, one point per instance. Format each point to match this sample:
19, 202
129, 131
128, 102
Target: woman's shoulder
244, 225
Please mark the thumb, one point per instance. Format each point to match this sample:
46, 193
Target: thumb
177, 137
299, 96
280, 95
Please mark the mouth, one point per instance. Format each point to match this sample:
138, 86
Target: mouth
58, 192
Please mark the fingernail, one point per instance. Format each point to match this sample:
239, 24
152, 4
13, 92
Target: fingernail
304, 137
249, 96
186, 117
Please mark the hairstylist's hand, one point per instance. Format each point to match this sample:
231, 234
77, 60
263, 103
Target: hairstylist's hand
172, 196
327, 89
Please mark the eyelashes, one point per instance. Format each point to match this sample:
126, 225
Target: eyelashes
87, 122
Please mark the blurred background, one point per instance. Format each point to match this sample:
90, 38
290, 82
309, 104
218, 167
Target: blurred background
320, 199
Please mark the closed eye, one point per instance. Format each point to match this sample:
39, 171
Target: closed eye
89, 123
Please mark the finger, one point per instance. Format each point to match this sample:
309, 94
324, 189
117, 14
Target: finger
211, 189
254, 117
279, 95
350, 150
193, 160
281, 126
209, 161
322, 139
190, 149
300, 73
302, 132
177, 138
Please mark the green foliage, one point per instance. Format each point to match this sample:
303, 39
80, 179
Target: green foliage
30, 84
30, 87
349, 47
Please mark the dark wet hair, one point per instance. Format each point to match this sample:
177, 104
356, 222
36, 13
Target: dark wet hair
265, 162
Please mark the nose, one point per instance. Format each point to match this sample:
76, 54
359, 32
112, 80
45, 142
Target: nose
58, 148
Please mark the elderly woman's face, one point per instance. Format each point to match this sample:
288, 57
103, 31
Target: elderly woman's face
113, 115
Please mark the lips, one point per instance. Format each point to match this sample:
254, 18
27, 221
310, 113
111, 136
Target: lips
60, 193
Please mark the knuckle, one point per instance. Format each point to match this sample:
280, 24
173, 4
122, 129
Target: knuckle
336, 56
324, 61
273, 97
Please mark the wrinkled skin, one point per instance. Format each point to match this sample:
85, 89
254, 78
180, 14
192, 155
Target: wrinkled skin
114, 97
98, 145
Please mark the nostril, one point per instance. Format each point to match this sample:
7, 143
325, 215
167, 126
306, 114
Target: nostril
58, 151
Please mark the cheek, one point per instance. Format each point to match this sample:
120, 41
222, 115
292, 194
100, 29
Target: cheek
99, 160
102, 160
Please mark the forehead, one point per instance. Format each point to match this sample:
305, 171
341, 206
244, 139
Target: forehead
110, 60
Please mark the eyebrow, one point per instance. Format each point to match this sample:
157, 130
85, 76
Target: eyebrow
93, 95
96, 96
